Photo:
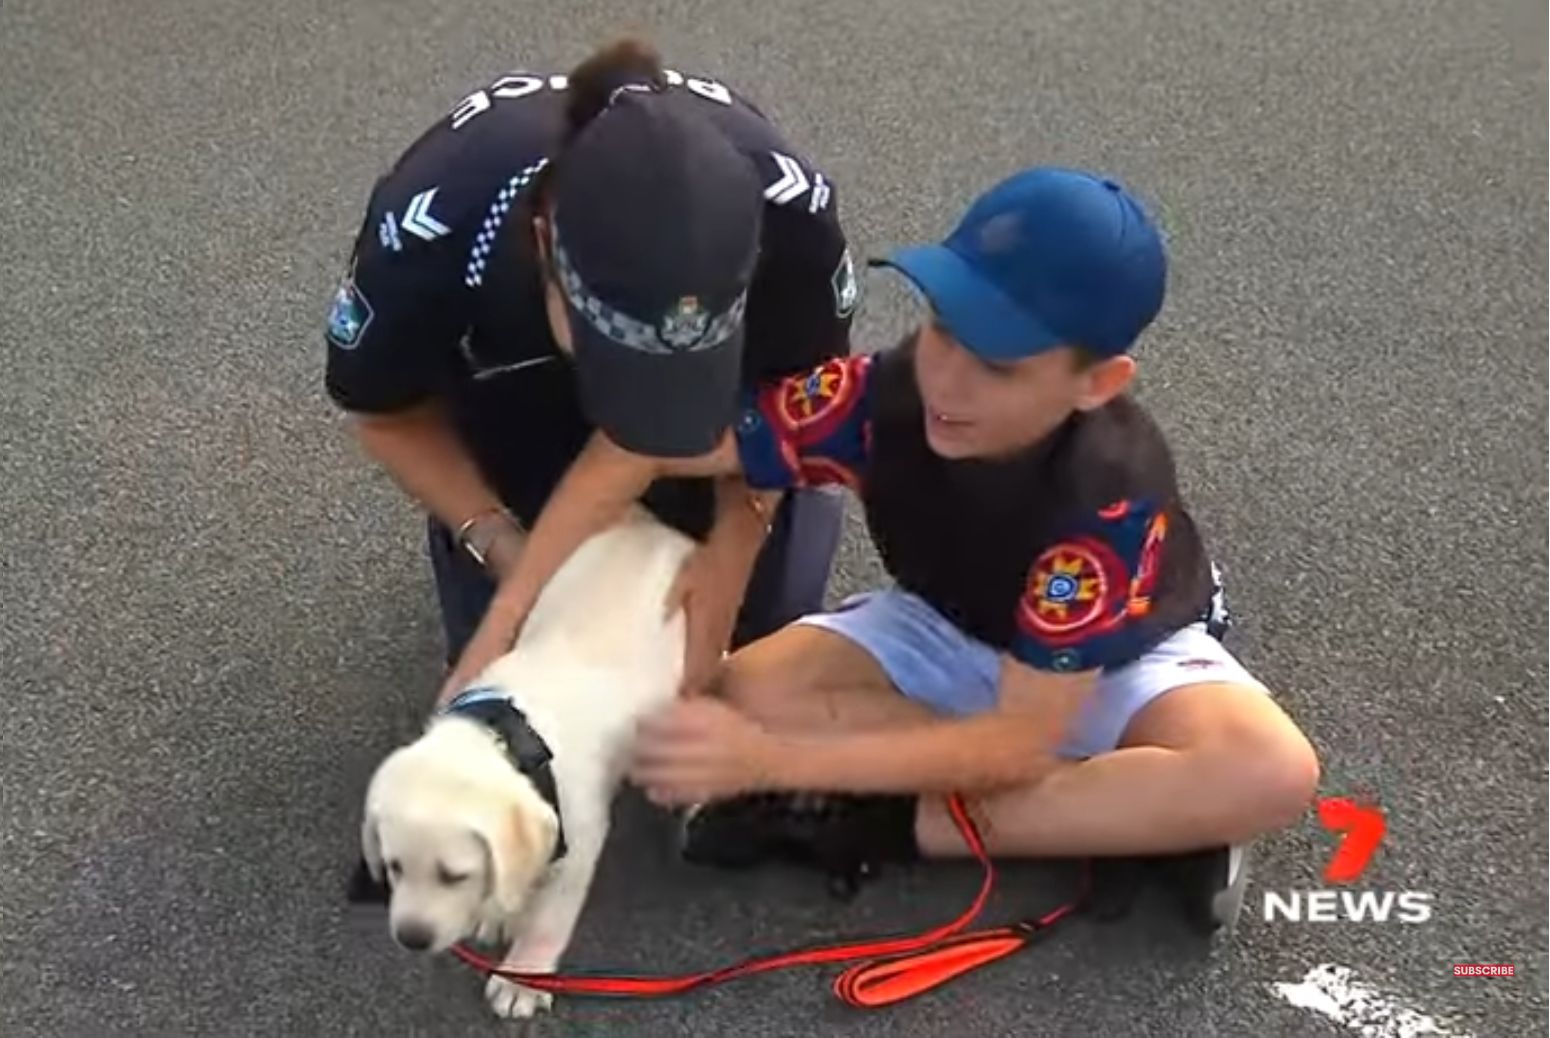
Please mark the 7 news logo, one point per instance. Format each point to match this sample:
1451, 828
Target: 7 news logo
1360, 828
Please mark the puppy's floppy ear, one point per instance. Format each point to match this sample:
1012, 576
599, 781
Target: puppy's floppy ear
520, 840
366, 885
371, 845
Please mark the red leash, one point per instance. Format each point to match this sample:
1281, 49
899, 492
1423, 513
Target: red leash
894, 969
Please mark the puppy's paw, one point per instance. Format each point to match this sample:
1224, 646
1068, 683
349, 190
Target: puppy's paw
512, 1001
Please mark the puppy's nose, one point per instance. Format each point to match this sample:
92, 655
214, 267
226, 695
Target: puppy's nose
413, 937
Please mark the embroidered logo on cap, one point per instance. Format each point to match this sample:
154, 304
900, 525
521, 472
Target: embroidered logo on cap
685, 324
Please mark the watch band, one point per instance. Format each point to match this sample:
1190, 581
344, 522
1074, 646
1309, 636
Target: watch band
468, 535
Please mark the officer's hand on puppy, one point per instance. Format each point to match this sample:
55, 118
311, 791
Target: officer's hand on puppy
709, 589
496, 633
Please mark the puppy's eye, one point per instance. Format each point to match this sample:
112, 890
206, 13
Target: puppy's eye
395, 869
450, 878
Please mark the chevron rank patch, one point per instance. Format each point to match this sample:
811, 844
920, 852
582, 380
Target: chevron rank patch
795, 186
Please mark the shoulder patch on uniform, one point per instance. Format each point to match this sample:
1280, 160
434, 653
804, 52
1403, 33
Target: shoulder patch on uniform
847, 290
796, 186
349, 316
418, 219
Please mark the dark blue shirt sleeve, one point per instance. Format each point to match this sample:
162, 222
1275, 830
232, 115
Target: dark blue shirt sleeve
809, 429
397, 314
1089, 590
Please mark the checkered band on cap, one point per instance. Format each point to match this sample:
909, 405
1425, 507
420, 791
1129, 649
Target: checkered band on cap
686, 328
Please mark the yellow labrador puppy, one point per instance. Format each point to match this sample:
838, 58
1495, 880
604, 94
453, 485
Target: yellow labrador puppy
489, 826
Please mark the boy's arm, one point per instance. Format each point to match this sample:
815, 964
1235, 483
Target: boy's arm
1078, 615
809, 429
804, 430
596, 492
1013, 745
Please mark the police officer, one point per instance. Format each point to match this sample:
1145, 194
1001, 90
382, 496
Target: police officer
565, 278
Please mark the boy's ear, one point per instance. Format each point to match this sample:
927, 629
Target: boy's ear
1105, 380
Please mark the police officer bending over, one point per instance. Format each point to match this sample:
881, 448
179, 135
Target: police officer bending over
564, 281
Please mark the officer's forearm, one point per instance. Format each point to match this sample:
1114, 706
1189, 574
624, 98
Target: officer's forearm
596, 492
422, 452
743, 517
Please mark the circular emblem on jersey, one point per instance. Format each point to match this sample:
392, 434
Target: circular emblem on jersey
685, 323
1061, 588
826, 390
1072, 588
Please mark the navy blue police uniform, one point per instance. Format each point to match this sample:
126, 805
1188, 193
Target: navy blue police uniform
443, 298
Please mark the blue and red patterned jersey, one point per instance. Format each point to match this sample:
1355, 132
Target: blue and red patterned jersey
1076, 554
1089, 591
808, 429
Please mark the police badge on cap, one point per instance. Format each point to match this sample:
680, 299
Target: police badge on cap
684, 324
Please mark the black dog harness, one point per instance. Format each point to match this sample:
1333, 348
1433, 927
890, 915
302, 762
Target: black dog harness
524, 747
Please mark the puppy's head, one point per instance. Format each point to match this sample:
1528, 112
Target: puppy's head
459, 836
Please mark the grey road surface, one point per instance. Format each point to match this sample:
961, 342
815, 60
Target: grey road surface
215, 616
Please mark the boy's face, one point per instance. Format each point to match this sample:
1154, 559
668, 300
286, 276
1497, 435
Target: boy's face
983, 409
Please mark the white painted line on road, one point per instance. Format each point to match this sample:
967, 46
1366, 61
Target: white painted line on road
1333, 991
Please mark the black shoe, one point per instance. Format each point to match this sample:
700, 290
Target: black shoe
1208, 884
845, 837
1116, 883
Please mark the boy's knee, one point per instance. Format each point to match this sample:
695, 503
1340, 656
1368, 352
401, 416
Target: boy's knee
1294, 779
1278, 778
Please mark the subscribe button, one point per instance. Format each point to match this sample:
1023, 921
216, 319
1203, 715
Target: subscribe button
1483, 969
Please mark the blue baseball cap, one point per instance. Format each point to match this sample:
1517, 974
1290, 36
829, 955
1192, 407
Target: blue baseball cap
1047, 257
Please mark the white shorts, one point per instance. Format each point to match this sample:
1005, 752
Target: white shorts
933, 662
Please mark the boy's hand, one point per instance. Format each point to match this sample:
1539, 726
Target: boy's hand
702, 749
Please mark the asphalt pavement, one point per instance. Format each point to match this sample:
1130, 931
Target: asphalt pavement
215, 616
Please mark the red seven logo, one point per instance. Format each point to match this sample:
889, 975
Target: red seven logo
1363, 826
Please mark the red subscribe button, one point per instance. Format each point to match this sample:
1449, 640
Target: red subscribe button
1484, 969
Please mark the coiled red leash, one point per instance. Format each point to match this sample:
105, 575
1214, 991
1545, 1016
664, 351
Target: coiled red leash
894, 969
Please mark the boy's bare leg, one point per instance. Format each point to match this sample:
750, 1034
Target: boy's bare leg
1202, 765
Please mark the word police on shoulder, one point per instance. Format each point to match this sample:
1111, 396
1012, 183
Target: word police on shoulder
516, 85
